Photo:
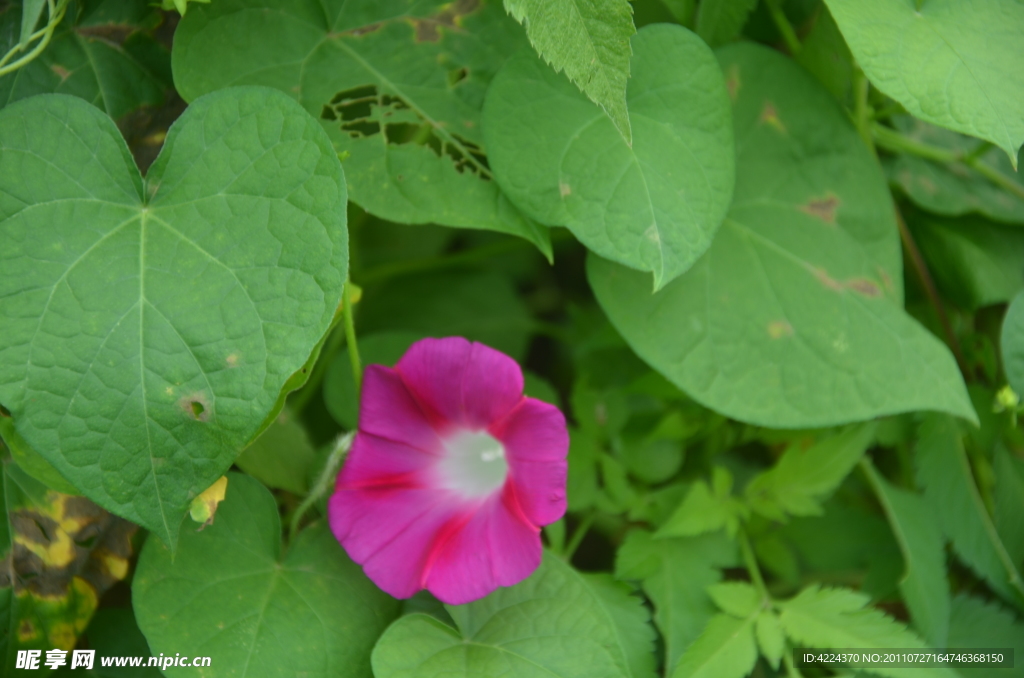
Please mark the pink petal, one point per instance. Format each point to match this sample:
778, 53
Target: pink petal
378, 463
495, 547
388, 410
461, 383
536, 444
391, 532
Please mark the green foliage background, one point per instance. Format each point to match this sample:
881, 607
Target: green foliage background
766, 255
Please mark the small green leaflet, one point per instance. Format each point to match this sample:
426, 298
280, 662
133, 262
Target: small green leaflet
674, 574
737, 598
706, 509
151, 325
793, 317
1012, 343
944, 473
653, 206
770, 637
720, 21
589, 41
725, 649
557, 622
949, 62
954, 189
924, 585
835, 618
398, 85
229, 593
802, 478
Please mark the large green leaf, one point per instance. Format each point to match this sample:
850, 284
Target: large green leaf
589, 41
954, 189
944, 473
1012, 343
114, 66
674, 574
555, 623
827, 618
720, 21
793, 317
151, 325
803, 476
952, 63
58, 555
398, 85
654, 206
924, 586
230, 594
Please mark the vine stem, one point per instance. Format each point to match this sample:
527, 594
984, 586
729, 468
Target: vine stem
891, 140
750, 561
350, 338
923, 274
323, 483
55, 14
862, 113
784, 26
577, 537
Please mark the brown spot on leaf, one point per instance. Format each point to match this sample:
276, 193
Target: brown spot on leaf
778, 329
828, 281
564, 190
196, 406
732, 82
232, 360
822, 208
113, 34
428, 29
770, 117
61, 72
864, 286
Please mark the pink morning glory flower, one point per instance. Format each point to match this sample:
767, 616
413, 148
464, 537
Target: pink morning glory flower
451, 473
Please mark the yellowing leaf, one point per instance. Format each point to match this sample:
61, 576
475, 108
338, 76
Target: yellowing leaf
204, 506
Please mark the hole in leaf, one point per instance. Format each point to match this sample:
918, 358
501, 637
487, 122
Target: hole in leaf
197, 409
457, 75
365, 112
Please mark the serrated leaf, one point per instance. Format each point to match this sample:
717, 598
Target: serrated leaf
726, 649
1009, 502
792, 318
770, 637
281, 457
674, 574
589, 41
555, 622
263, 613
632, 621
975, 262
923, 585
737, 598
701, 511
944, 473
980, 623
117, 74
150, 326
834, 618
954, 189
802, 478
654, 206
58, 555
948, 62
1011, 341
720, 21
397, 85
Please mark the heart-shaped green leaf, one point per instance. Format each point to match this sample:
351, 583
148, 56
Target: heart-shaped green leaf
654, 206
949, 62
792, 318
151, 325
557, 623
228, 593
398, 85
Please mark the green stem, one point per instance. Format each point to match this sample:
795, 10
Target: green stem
350, 338
56, 14
784, 26
577, 537
750, 561
862, 112
979, 150
323, 483
787, 659
891, 140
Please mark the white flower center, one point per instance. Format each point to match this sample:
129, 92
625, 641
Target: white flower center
474, 464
